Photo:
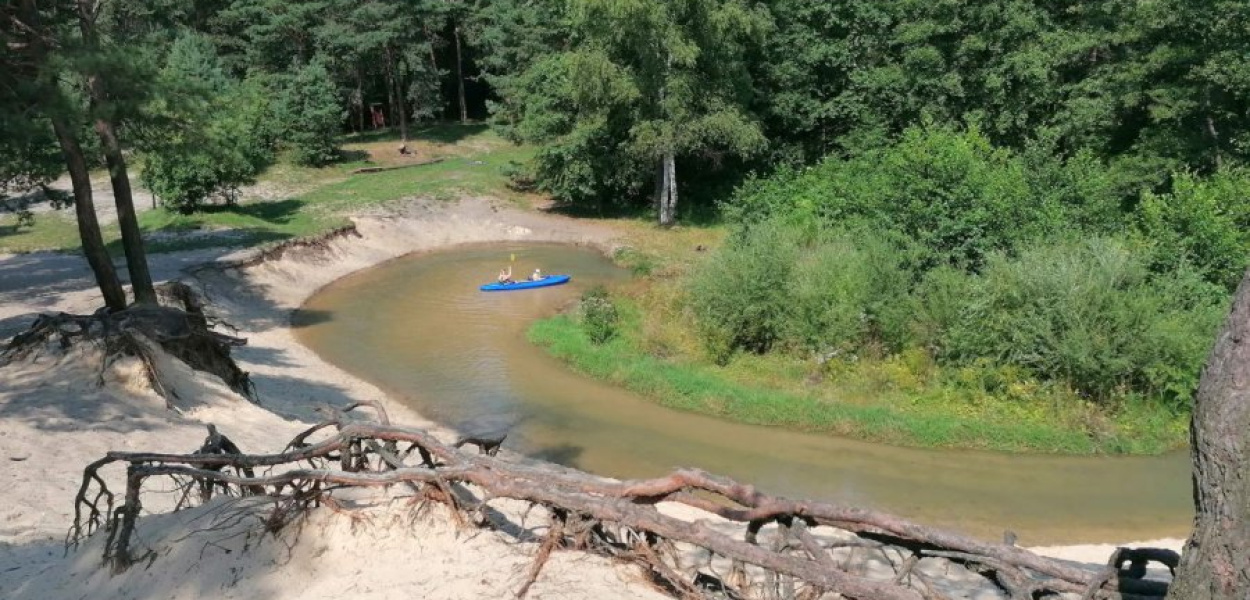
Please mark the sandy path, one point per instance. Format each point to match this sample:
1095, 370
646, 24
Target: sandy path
51, 425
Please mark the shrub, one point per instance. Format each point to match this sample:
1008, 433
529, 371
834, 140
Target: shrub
1090, 313
849, 291
212, 133
1203, 222
776, 285
600, 318
740, 294
953, 193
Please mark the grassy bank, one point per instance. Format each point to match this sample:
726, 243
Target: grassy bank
291, 201
904, 399
886, 401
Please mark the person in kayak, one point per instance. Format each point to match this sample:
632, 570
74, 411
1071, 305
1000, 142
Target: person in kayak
505, 275
537, 274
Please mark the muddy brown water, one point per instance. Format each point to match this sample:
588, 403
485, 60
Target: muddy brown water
419, 328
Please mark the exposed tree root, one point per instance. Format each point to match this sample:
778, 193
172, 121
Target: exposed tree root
617, 519
144, 332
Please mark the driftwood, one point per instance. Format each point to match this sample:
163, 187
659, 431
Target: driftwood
613, 518
184, 332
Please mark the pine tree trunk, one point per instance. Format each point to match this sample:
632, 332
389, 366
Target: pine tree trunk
668, 191
464, 108
360, 101
88, 227
390, 84
403, 103
1215, 564
123, 197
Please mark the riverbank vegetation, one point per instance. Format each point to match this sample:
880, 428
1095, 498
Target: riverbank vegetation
1021, 214
1004, 311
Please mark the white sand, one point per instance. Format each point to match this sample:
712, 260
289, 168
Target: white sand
54, 420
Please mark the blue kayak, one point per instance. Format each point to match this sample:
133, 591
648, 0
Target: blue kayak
547, 281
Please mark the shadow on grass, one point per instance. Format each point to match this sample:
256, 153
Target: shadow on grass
352, 156
277, 212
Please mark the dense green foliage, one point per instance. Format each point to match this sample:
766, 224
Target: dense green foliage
216, 134
956, 195
1090, 314
309, 114
979, 257
645, 80
1051, 195
600, 318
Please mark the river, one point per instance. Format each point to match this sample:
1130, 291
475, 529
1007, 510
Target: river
419, 328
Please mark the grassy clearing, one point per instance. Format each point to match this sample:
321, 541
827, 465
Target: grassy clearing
298, 201
903, 399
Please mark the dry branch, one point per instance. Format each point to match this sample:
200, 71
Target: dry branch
612, 518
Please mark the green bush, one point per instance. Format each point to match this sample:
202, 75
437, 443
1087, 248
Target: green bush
310, 114
212, 134
1092, 314
775, 285
600, 318
740, 295
849, 291
953, 193
1205, 222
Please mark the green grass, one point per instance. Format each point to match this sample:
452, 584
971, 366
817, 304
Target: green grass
883, 401
474, 161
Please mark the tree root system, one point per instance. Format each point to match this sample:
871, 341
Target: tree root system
773, 551
183, 331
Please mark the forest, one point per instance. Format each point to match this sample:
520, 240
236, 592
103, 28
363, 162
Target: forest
1044, 201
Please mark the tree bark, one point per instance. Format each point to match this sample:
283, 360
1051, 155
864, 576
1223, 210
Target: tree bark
464, 109
360, 101
123, 197
668, 191
84, 207
88, 227
403, 103
1215, 564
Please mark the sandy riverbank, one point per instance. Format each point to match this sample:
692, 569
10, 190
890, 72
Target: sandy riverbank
54, 420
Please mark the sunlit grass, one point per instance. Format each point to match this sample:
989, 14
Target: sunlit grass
448, 161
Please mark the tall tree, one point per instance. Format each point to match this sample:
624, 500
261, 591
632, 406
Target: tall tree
32, 94
647, 82
102, 102
1214, 565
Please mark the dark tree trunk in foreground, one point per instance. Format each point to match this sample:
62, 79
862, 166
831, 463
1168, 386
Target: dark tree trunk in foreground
76, 163
1216, 561
132, 238
88, 226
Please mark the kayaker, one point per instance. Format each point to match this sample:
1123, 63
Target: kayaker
505, 275
538, 274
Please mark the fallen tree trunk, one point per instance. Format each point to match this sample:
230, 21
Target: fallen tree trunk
613, 518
